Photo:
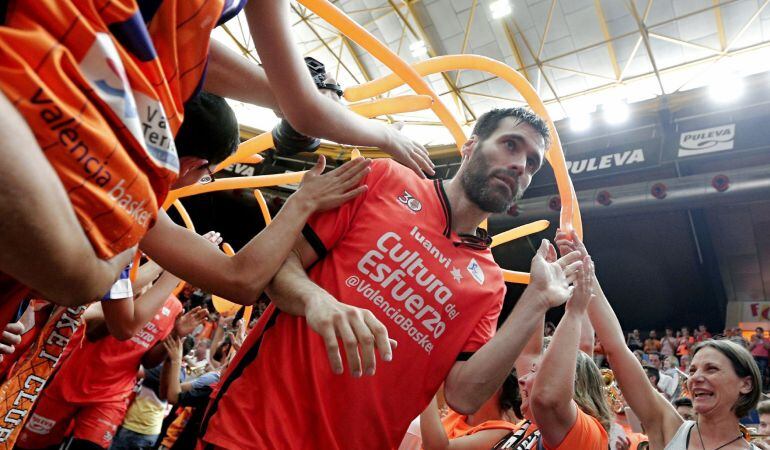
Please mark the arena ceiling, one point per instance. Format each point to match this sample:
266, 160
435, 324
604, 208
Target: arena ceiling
580, 55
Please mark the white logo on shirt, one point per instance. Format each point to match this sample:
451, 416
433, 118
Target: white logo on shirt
412, 203
166, 312
475, 270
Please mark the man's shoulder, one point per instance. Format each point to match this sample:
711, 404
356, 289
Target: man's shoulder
386, 167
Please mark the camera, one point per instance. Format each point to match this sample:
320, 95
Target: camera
286, 140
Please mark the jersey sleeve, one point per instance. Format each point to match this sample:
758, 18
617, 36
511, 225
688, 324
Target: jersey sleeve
122, 287
323, 230
586, 434
484, 330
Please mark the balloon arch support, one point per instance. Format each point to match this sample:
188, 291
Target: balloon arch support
362, 103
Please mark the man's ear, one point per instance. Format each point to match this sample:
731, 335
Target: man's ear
470, 146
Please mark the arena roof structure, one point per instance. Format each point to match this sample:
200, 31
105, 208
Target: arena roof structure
580, 55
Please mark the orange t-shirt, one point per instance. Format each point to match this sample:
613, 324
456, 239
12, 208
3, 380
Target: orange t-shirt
102, 84
586, 434
455, 425
635, 438
82, 378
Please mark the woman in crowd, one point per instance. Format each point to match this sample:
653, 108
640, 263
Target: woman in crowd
481, 430
562, 391
723, 378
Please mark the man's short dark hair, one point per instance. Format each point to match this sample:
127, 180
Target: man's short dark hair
763, 407
684, 401
652, 372
209, 130
487, 123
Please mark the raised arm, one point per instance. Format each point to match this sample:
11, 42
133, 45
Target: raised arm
170, 387
551, 401
435, 438
43, 244
586, 336
659, 418
146, 274
243, 277
310, 112
470, 383
532, 350
125, 317
229, 72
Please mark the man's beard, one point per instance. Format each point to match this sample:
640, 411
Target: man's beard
476, 182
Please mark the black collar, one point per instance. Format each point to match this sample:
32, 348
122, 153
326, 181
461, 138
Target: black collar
479, 241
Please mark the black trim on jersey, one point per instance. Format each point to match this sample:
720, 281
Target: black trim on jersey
314, 241
464, 356
148, 8
248, 358
445, 206
3, 10
480, 241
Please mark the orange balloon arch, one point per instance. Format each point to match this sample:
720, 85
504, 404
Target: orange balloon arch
424, 98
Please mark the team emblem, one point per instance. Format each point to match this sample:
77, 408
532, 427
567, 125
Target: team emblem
475, 270
412, 203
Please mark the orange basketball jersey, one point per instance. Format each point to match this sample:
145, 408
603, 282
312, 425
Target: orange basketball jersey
102, 85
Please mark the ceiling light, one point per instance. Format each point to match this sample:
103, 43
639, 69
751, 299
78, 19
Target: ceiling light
418, 49
500, 9
579, 113
725, 88
616, 111
580, 121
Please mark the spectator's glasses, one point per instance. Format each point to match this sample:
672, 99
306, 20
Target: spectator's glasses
480, 241
206, 179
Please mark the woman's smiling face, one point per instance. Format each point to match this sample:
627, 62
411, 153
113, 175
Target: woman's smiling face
714, 385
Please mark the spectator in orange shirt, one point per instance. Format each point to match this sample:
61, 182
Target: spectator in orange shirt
685, 342
563, 391
652, 343
480, 430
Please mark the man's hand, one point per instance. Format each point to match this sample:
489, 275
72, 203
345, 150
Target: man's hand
173, 346
187, 322
358, 330
11, 338
321, 191
408, 152
214, 237
551, 277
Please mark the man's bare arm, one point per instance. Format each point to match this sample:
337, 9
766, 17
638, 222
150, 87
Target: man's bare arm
228, 72
294, 292
125, 317
243, 277
470, 383
44, 246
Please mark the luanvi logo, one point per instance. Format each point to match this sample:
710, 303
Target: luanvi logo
707, 140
